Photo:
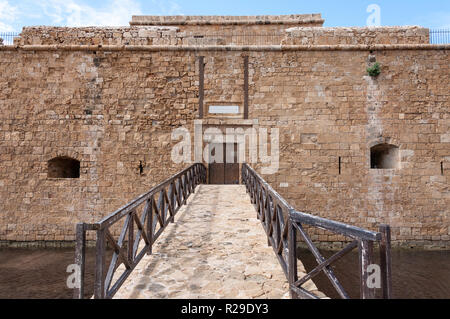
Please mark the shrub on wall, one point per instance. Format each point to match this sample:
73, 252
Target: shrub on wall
374, 70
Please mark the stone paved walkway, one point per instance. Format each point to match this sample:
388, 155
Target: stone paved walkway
216, 248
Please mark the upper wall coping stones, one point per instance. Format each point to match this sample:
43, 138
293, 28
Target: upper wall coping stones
226, 20
406, 28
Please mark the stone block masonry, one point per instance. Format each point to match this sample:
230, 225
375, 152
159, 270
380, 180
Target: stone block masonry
111, 97
355, 35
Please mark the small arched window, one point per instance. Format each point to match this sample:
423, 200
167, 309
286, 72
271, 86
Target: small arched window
384, 156
63, 167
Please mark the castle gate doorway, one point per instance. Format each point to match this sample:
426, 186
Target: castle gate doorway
226, 172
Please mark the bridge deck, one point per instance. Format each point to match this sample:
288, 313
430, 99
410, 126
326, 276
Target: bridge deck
215, 249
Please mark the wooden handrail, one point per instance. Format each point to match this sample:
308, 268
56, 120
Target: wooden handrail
334, 226
283, 223
158, 208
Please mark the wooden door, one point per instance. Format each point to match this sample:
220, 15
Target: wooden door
216, 170
226, 172
231, 175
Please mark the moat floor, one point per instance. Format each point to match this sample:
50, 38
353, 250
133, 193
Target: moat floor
216, 248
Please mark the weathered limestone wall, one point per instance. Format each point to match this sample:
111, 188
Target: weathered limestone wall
108, 110
355, 35
169, 30
327, 107
112, 110
222, 35
157, 35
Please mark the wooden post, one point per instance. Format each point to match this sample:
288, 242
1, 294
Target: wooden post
194, 178
183, 187
385, 261
292, 259
365, 259
246, 87
131, 238
204, 174
172, 199
80, 254
100, 250
190, 180
170, 202
201, 85
150, 225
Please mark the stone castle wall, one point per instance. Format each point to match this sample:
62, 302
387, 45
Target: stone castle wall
110, 111
355, 35
115, 109
250, 35
171, 30
328, 108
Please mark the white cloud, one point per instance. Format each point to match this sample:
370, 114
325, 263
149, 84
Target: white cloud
76, 14
8, 14
168, 7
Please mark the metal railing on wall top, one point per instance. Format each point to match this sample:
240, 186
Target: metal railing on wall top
8, 37
440, 36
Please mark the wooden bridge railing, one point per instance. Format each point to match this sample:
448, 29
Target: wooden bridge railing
283, 223
150, 213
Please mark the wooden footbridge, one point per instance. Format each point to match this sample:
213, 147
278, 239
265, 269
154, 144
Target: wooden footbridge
216, 247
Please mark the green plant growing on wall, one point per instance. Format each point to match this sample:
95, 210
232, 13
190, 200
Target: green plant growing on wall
374, 70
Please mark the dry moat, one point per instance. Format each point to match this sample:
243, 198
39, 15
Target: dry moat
41, 273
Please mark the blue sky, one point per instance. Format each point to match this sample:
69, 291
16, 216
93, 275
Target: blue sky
14, 14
